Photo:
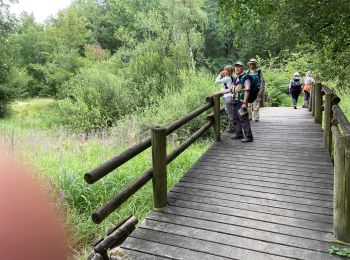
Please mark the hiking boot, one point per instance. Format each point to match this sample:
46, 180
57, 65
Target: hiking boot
247, 140
295, 107
236, 136
256, 120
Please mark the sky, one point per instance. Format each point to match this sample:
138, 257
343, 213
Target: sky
40, 8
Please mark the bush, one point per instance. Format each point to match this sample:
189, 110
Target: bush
19, 81
94, 99
175, 104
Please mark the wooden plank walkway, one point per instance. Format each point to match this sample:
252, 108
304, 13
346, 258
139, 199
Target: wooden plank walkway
266, 200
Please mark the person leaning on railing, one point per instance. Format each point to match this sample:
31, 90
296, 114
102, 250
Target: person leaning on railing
225, 79
308, 83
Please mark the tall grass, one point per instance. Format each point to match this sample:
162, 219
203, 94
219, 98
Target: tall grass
60, 159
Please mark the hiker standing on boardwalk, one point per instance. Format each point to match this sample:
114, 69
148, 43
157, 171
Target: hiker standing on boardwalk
253, 108
308, 83
295, 88
241, 90
225, 78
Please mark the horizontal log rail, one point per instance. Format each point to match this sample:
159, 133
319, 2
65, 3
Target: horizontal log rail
101, 171
336, 138
117, 200
341, 119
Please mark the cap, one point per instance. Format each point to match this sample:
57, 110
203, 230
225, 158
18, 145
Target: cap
239, 63
252, 61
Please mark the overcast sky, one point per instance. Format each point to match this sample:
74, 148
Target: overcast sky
40, 8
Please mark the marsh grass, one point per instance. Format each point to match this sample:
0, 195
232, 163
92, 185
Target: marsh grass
60, 159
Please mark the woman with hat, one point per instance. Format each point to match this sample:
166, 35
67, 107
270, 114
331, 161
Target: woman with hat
295, 88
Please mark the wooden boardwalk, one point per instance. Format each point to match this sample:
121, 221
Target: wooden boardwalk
270, 199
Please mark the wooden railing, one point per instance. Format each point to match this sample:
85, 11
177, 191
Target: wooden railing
158, 172
336, 137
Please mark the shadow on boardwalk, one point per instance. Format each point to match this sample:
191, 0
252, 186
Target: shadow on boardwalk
270, 199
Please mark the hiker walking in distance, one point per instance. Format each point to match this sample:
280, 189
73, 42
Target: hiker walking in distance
253, 108
295, 88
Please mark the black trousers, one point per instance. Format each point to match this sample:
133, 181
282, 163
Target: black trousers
241, 123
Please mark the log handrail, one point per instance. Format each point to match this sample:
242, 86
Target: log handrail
117, 200
336, 139
109, 166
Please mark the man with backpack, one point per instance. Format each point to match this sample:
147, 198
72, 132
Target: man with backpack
258, 79
241, 91
295, 88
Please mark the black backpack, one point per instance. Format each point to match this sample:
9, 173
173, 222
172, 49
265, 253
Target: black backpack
295, 87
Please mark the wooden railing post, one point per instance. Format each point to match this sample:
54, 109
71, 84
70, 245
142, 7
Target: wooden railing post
217, 136
328, 115
311, 100
159, 162
341, 186
318, 103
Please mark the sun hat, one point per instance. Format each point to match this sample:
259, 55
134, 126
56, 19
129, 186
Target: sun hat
252, 61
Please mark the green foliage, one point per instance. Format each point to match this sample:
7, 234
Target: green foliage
274, 27
339, 251
174, 105
6, 97
93, 99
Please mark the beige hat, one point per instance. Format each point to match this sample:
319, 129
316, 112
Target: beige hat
296, 74
252, 60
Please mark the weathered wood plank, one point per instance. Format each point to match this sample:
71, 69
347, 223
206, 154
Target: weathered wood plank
243, 159
244, 213
255, 194
262, 184
123, 254
263, 241
251, 223
188, 198
246, 178
259, 188
253, 200
246, 164
268, 172
211, 249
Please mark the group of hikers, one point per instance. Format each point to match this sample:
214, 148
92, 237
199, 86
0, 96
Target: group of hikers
243, 92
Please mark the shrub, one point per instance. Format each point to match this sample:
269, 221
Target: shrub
94, 99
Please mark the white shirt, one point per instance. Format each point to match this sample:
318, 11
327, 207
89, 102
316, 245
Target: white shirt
309, 80
224, 80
